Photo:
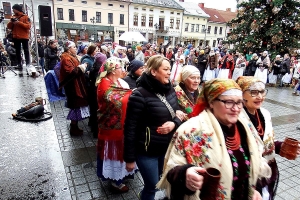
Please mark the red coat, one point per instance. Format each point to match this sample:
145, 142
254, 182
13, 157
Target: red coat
229, 64
20, 29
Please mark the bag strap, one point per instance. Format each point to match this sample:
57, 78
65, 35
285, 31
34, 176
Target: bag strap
164, 100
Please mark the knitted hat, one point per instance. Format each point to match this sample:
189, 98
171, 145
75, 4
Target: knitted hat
80, 49
135, 65
18, 7
189, 70
100, 58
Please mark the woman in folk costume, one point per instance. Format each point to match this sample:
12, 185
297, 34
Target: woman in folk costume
72, 79
217, 137
113, 94
275, 71
226, 66
240, 66
177, 67
263, 66
212, 64
119, 52
188, 90
254, 93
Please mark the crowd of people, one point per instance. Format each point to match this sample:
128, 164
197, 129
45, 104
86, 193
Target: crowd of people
171, 114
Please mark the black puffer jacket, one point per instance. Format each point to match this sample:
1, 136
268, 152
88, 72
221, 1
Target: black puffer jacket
131, 80
145, 113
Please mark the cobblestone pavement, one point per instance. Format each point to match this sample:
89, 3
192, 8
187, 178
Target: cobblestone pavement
39, 160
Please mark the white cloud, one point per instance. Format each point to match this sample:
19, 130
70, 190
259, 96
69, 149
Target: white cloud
217, 4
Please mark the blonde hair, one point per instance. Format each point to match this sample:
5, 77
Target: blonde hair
154, 63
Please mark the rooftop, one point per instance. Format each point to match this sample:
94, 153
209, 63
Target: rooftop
160, 3
192, 9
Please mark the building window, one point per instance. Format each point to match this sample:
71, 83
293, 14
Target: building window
143, 9
208, 29
203, 28
150, 21
143, 20
122, 19
162, 11
177, 23
186, 27
98, 3
71, 0
161, 23
193, 28
216, 30
60, 14
178, 13
110, 4
84, 2
136, 8
135, 20
151, 10
110, 18
84, 16
221, 30
197, 27
122, 6
71, 15
98, 17
171, 23
214, 43
172, 12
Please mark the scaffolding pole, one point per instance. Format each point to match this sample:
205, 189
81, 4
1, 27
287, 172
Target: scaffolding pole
28, 7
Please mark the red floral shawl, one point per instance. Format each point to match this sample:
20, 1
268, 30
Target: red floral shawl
112, 105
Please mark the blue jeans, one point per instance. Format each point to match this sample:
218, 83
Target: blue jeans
41, 61
151, 169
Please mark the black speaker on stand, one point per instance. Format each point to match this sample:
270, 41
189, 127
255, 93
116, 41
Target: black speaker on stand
45, 21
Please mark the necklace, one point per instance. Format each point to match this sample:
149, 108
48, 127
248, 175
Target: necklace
234, 142
259, 127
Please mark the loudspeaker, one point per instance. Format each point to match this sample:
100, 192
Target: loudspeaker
45, 20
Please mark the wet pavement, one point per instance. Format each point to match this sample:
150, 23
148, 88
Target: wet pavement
42, 161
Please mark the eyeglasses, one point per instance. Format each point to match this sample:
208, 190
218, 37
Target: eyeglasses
230, 104
255, 93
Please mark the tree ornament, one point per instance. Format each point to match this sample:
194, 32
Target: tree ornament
254, 26
297, 25
275, 10
276, 39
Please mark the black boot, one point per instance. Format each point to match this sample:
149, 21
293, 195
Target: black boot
75, 131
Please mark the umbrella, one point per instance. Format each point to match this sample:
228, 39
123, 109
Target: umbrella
132, 36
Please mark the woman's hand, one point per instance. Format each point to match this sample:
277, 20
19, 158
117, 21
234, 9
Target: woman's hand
130, 166
194, 180
181, 115
166, 128
256, 195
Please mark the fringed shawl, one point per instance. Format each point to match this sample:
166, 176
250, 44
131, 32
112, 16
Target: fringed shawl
200, 141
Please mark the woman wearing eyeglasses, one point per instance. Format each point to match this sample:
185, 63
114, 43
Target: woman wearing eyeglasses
187, 91
219, 137
112, 95
254, 93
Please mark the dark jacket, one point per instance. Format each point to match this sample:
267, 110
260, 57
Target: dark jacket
131, 80
41, 50
89, 60
276, 67
51, 58
251, 68
145, 113
202, 62
285, 66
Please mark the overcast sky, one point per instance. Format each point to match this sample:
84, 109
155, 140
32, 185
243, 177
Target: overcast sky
218, 4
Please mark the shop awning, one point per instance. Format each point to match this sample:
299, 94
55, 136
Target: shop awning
73, 32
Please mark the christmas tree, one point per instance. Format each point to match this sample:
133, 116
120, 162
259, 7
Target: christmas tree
272, 25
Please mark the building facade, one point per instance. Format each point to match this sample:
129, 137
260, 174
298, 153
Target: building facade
216, 27
194, 22
159, 21
82, 20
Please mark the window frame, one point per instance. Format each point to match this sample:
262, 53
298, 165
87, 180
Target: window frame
60, 14
135, 20
143, 20
110, 20
70, 14
98, 17
84, 15
122, 16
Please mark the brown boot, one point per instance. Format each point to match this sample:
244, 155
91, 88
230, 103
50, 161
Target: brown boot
75, 131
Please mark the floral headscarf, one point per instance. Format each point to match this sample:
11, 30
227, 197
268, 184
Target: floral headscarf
110, 65
249, 82
211, 90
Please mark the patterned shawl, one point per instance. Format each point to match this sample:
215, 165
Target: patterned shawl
200, 142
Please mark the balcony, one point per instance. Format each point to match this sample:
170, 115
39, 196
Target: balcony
163, 29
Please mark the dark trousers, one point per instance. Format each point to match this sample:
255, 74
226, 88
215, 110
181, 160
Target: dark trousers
17, 45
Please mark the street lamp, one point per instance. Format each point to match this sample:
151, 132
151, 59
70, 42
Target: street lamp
156, 26
93, 20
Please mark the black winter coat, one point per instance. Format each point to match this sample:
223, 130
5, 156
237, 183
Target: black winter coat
51, 58
131, 80
145, 113
202, 62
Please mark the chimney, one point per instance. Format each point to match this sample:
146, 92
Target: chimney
228, 9
201, 5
